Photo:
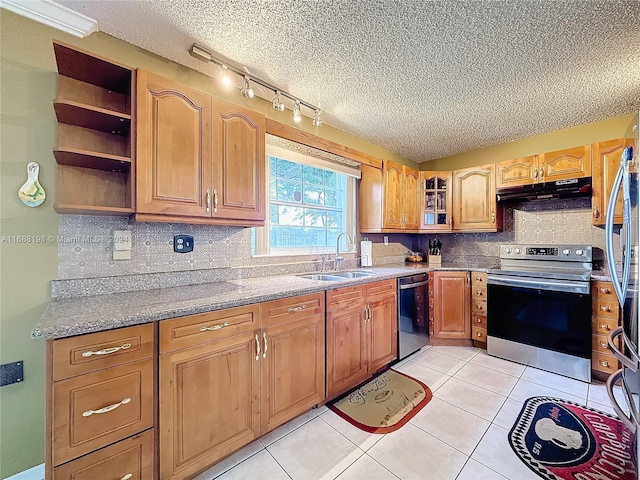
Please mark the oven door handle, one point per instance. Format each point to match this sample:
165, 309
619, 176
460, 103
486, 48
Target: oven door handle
412, 285
546, 284
629, 421
629, 362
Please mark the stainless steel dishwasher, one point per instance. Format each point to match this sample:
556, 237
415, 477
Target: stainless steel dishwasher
413, 304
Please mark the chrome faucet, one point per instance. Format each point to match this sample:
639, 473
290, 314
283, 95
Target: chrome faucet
338, 258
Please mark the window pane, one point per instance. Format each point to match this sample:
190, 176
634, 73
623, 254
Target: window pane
332, 236
313, 195
273, 214
313, 175
297, 237
314, 218
333, 198
289, 191
273, 190
334, 219
330, 178
288, 170
273, 161
290, 215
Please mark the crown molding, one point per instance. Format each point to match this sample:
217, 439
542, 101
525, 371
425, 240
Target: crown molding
53, 15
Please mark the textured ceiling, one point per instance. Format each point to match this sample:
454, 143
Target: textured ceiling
424, 79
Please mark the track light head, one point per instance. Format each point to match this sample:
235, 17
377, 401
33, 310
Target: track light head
297, 115
225, 79
315, 120
246, 90
276, 103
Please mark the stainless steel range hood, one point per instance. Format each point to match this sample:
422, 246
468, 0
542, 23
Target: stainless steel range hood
571, 188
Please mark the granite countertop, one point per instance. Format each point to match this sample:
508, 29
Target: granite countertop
75, 316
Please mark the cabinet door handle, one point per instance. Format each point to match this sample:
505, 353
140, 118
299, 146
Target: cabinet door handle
535, 174
257, 348
208, 200
106, 409
449, 219
214, 327
493, 217
106, 351
215, 200
266, 344
541, 173
127, 476
296, 309
596, 212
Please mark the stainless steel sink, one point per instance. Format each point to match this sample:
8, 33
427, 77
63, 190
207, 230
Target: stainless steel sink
323, 277
353, 274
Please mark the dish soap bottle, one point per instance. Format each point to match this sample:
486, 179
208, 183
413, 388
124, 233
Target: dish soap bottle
31, 193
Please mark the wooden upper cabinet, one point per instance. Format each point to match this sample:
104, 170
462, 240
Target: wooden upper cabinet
370, 199
563, 164
173, 148
474, 200
411, 195
436, 201
239, 162
451, 318
606, 161
393, 193
520, 171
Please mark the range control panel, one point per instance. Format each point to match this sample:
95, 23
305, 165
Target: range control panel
563, 253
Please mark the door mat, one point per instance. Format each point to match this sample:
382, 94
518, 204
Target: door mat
559, 439
383, 404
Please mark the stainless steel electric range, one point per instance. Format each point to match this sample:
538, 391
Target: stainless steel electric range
539, 308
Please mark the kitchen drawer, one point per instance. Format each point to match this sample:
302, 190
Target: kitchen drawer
604, 363
599, 344
343, 297
479, 321
603, 325
478, 292
385, 287
130, 459
194, 330
479, 334
293, 308
478, 307
88, 353
605, 308
478, 279
100, 408
603, 290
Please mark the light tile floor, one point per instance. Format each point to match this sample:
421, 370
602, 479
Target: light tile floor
461, 434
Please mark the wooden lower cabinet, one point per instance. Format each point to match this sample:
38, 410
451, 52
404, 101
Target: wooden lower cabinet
362, 333
451, 304
130, 459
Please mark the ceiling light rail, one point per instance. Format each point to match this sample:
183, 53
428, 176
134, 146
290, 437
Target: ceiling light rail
205, 55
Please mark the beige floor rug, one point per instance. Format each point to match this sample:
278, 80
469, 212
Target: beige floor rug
385, 403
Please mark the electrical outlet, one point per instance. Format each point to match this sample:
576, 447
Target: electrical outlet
183, 243
386, 240
11, 373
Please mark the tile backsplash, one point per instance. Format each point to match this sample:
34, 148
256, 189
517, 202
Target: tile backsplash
86, 248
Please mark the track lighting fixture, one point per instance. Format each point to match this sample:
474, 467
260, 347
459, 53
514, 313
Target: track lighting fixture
297, 116
246, 90
276, 103
225, 79
315, 120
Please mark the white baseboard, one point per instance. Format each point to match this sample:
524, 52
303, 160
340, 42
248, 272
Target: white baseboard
35, 473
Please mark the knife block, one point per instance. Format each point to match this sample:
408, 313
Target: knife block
434, 260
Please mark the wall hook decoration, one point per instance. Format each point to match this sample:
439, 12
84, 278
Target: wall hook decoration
31, 193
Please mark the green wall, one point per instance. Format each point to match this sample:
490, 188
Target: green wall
28, 133
616, 127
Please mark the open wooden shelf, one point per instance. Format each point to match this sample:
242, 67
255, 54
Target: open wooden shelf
88, 159
89, 116
92, 210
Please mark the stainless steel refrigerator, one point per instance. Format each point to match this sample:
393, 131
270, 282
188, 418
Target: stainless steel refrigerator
626, 287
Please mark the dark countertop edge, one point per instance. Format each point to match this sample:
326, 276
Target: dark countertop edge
44, 330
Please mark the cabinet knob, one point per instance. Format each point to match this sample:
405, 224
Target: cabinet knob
596, 212
605, 308
604, 363
604, 326
603, 345
478, 319
479, 334
479, 292
605, 290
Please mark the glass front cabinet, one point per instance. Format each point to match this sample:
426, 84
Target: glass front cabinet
436, 204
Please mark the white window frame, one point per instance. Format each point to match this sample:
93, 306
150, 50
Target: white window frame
262, 239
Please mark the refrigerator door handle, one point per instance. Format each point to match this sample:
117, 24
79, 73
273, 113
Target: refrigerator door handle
608, 237
631, 363
627, 420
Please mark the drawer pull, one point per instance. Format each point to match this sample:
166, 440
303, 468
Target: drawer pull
604, 326
127, 476
296, 309
605, 308
214, 327
604, 345
478, 319
106, 351
266, 344
605, 290
604, 363
478, 279
106, 409
478, 306
479, 292
479, 334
